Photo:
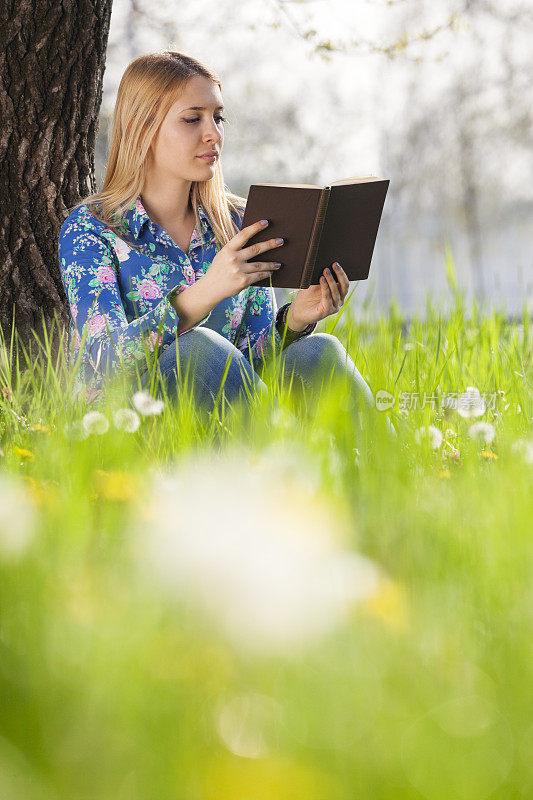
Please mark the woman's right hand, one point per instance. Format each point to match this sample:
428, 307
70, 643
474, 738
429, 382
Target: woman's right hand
230, 270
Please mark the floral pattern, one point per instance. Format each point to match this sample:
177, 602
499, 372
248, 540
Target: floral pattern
119, 298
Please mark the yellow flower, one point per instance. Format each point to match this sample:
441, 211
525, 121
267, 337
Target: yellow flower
42, 493
41, 428
388, 603
115, 485
488, 454
445, 473
21, 453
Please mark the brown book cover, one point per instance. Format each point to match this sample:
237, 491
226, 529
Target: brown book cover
320, 225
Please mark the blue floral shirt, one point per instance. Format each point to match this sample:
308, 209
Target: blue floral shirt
119, 298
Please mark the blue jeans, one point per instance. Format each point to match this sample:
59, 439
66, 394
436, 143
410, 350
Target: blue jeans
206, 354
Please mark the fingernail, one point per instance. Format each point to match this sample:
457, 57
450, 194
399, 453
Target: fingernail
277, 264
327, 271
279, 241
264, 222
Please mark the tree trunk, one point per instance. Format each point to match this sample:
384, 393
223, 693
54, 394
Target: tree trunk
52, 61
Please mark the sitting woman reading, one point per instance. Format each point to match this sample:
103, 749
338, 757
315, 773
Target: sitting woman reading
157, 262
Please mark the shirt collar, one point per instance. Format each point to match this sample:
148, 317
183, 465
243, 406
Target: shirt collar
137, 218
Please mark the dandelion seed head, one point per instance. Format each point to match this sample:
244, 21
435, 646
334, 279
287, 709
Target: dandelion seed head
76, 430
482, 431
470, 403
146, 404
524, 448
247, 724
126, 419
17, 518
95, 422
431, 432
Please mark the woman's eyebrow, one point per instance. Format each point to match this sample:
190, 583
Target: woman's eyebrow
199, 108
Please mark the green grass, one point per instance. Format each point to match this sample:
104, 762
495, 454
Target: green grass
115, 686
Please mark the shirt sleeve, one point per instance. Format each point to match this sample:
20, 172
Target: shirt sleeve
88, 267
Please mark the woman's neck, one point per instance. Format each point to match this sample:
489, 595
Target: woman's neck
168, 205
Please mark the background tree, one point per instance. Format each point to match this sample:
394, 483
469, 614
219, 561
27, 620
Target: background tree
52, 61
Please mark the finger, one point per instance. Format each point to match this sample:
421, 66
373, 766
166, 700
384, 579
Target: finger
260, 247
343, 279
246, 233
252, 266
333, 288
326, 291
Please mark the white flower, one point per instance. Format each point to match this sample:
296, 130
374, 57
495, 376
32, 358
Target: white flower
470, 403
17, 518
146, 404
248, 724
270, 571
95, 422
482, 430
450, 433
126, 419
282, 418
524, 447
76, 430
434, 434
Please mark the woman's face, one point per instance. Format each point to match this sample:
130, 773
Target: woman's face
186, 133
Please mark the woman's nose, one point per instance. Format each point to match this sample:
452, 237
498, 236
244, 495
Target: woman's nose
213, 133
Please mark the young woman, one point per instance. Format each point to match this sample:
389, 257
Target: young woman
157, 261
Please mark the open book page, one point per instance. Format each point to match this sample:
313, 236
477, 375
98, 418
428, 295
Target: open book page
360, 179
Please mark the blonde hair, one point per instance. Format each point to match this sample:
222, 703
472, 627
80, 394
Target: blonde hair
148, 88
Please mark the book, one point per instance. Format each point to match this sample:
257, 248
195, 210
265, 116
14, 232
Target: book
320, 225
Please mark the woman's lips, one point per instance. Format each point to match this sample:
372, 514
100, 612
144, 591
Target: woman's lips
208, 158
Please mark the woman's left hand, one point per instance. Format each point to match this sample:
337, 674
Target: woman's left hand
319, 300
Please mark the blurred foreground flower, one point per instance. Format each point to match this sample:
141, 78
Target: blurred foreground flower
95, 422
115, 485
40, 428
388, 603
470, 403
482, 431
126, 419
17, 517
263, 558
25, 455
43, 493
247, 724
524, 447
431, 432
146, 404
75, 430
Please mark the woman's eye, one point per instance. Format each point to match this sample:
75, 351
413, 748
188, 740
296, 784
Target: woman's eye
220, 119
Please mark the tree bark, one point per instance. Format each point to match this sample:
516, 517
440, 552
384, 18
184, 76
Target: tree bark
52, 62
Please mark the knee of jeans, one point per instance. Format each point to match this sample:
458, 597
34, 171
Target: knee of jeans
203, 334
326, 345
